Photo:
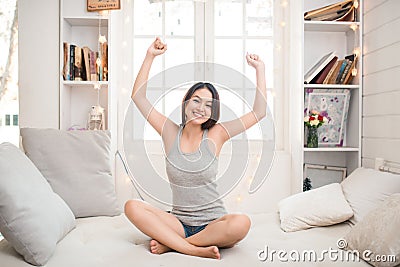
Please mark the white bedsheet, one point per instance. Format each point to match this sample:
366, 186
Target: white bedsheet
113, 241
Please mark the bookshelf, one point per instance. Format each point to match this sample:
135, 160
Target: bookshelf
81, 28
320, 38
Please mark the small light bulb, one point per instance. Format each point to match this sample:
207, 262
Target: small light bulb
97, 86
357, 51
239, 198
355, 4
354, 26
283, 24
354, 72
98, 61
284, 3
102, 39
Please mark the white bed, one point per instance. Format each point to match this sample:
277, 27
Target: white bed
113, 241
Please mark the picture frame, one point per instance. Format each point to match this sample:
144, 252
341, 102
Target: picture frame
99, 5
321, 175
333, 104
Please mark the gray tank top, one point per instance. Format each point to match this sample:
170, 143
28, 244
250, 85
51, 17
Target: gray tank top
192, 178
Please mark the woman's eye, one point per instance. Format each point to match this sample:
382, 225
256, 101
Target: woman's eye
209, 106
196, 101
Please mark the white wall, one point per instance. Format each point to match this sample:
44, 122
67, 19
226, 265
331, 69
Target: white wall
381, 97
38, 39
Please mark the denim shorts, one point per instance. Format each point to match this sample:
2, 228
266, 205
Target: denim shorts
192, 230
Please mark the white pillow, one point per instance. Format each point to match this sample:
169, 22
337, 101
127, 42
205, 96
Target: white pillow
77, 166
32, 217
322, 206
377, 233
365, 189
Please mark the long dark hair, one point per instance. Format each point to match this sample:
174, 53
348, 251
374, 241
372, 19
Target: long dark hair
215, 104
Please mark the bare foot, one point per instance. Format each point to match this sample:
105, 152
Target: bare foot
208, 252
158, 248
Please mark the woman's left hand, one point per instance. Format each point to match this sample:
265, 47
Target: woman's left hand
254, 61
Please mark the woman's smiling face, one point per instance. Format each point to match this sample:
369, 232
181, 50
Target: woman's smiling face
199, 106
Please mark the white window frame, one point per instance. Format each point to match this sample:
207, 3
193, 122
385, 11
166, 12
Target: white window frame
204, 45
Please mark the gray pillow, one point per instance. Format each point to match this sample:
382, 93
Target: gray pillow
77, 166
32, 217
365, 189
376, 236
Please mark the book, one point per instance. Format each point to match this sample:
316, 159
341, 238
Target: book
329, 10
335, 72
86, 63
319, 79
341, 70
350, 60
66, 66
104, 61
349, 77
78, 64
311, 73
71, 61
338, 15
330, 73
92, 64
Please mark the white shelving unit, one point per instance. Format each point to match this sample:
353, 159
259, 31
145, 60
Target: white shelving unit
79, 27
320, 38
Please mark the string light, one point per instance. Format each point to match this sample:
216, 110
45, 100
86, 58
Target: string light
354, 26
355, 3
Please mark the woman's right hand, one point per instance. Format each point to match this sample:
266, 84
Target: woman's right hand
157, 48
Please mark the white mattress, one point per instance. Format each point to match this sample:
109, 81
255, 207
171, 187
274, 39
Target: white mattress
113, 241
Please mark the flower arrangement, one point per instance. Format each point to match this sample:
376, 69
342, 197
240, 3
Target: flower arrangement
315, 119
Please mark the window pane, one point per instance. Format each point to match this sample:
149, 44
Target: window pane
148, 18
180, 51
229, 53
259, 17
15, 120
7, 120
228, 18
179, 18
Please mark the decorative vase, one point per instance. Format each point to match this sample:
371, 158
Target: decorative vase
312, 138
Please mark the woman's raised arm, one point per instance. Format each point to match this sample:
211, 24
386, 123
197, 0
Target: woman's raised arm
157, 120
234, 127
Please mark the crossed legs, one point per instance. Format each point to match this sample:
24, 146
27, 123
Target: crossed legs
168, 233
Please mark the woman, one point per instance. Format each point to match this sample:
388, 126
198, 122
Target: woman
198, 224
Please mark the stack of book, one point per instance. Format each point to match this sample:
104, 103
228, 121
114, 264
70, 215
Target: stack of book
81, 64
342, 11
332, 70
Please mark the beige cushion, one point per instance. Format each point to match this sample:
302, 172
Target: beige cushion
322, 206
77, 166
365, 189
32, 217
378, 232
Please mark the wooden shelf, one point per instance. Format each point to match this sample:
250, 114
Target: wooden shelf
89, 84
87, 21
332, 149
328, 26
328, 86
